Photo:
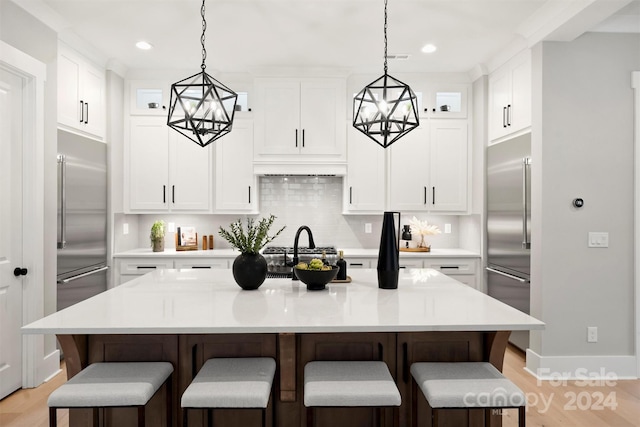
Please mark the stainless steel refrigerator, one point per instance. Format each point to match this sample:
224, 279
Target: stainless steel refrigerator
82, 218
509, 226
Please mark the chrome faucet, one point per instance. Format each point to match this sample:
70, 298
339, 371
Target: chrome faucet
295, 247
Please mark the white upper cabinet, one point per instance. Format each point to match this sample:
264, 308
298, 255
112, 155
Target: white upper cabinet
166, 171
235, 188
429, 168
299, 117
81, 94
510, 97
365, 182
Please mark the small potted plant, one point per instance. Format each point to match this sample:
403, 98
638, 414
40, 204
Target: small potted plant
250, 267
157, 236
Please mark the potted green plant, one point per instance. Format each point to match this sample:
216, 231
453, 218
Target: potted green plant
157, 236
250, 267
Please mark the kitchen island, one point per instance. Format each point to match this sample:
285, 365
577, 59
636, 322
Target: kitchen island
188, 316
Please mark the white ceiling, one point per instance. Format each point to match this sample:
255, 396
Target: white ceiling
245, 35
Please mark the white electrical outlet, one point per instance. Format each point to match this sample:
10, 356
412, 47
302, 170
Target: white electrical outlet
125, 228
447, 228
598, 239
367, 228
592, 334
172, 227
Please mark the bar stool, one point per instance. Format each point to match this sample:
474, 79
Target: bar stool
350, 384
465, 385
226, 383
116, 384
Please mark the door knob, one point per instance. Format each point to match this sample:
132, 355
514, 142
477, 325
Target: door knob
20, 272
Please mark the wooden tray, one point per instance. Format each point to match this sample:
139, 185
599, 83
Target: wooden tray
347, 280
415, 249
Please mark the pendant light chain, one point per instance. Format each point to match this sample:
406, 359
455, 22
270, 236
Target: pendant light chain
385, 36
204, 28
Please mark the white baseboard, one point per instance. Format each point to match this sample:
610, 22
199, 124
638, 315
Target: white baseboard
581, 367
50, 366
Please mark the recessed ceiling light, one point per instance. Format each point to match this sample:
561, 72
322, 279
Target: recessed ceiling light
429, 48
143, 45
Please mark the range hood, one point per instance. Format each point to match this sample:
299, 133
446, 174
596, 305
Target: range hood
298, 168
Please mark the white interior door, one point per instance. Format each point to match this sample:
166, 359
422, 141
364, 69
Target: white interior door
10, 231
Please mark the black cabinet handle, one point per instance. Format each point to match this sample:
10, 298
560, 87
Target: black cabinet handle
350, 195
173, 194
249, 194
504, 117
86, 116
355, 264
296, 138
425, 195
200, 266
20, 272
146, 267
449, 267
302, 138
81, 111
433, 195
164, 194
509, 115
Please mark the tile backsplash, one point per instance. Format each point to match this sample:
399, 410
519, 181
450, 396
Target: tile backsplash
295, 201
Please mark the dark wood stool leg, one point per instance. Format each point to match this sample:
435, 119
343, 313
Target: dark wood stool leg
169, 400
522, 416
210, 417
185, 422
434, 417
264, 417
53, 417
96, 417
414, 403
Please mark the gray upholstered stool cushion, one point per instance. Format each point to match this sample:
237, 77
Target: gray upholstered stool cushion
231, 383
466, 385
367, 383
112, 384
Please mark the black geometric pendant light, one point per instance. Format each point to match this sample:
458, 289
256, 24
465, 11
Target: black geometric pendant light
201, 108
386, 109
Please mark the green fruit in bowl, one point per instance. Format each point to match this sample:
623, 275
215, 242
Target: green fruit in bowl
316, 264
302, 266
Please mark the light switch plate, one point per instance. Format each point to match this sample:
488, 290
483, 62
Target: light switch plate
598, 239
367, 227
172, 227
125, 228
447, 228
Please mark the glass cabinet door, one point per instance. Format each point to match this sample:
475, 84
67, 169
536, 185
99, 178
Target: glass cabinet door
447, 101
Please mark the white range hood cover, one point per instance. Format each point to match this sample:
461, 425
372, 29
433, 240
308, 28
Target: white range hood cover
337, 169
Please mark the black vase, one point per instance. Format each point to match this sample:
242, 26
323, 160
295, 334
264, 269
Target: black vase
389, 253
249, 270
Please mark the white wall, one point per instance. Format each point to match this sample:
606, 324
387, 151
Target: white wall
40, 42
582, 143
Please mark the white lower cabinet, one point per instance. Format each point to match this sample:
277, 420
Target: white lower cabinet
130, 268
355, 262
196, 263
410, 263
464, 270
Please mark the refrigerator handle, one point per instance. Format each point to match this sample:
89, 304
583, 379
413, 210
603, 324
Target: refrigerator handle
526, 244
79, 276
62, 166
510, 276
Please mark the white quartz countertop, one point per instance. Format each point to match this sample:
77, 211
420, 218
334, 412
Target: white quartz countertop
209, 301
172, 253
348, 252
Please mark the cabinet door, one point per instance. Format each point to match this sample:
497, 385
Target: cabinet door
520, 111
448, 165
149, 97
365, 189
190, 174
148, 164
499, 100
409, 174
235, 182
322, 117
68, 90
277, 110
93, 84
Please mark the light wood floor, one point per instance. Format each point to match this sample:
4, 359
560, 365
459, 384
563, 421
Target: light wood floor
549, 404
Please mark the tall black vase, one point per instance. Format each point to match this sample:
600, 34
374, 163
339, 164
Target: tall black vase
249, 270
389, 253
